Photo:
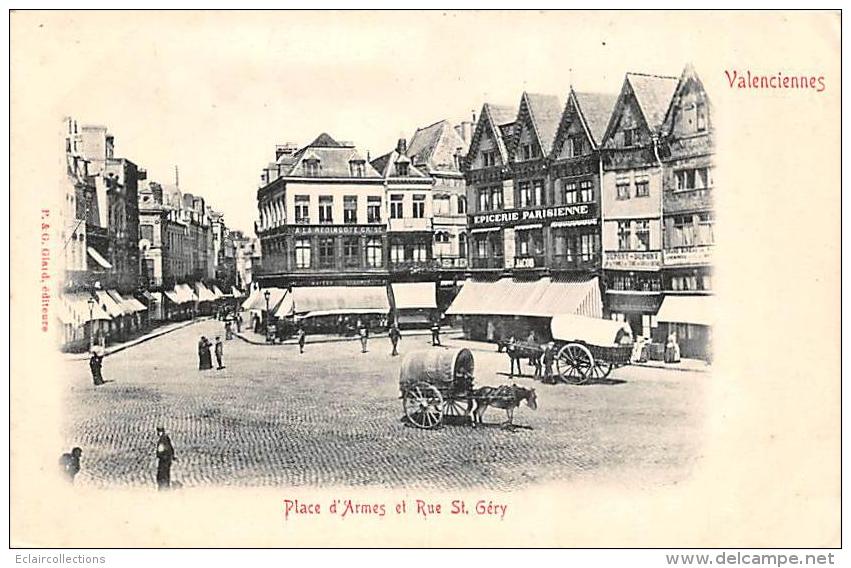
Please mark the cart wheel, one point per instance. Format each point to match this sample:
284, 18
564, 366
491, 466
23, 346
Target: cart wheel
454, 411
423, 406
574, 363
601, 369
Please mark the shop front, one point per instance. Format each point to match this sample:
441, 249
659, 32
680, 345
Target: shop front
690, 319
510, 307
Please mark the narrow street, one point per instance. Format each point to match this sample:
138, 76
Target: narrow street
332, 416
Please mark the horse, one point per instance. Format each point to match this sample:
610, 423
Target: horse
507, 397
518, 352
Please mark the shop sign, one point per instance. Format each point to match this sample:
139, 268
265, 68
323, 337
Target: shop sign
683, 256
337, 229
632, 259
512, 217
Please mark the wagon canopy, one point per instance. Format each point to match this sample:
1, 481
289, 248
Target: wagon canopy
593, 331
437, 367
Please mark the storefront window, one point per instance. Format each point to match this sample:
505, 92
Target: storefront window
326, 252
373, 253
420, 252
351, 252
302, 253
397, 253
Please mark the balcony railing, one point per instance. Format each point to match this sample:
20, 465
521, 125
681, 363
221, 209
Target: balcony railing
576, 261
487, 262
413, 265
522, 261
409, 224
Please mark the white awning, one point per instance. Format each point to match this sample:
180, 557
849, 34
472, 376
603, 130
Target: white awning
698, 310
121, 302
185, 293
342, 312
574, 223
485, 230
285, 307
109, 304
217, 292
235, 292
96, 256
257, 301
414, 295
341, 299
528, 227
538, 298
77, 306
204, 293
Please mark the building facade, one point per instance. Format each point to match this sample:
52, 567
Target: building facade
632, 180
688, 218
324, 219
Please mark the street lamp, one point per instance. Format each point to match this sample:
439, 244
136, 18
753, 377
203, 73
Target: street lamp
266, 295
91, 323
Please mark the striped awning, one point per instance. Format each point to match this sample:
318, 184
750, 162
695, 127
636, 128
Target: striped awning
414, 295
537, 298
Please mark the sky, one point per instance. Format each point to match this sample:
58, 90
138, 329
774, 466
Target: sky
214, 92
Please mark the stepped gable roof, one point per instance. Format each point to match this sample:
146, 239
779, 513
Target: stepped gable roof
596, 110
435, 146
545, 112
654, 94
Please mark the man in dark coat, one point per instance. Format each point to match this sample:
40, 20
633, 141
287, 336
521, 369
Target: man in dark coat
96, 364
205, 361
435, 333
363, 333
70, 463
395, 336
302, 338
165, 455
220, 351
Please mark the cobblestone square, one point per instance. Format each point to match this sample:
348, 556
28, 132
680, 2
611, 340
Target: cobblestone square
332, 417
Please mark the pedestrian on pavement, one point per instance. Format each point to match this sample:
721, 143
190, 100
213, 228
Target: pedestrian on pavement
96, 366
364, 336
302, 338
511, 350
672, 349
205, 361
165, 455
238, 322
220, 351
435, 333
70, 463
395, 336
228, 330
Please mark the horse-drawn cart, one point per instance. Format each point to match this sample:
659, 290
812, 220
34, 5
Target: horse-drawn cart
589, 348
437, 387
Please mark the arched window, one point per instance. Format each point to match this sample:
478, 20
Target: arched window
462, 245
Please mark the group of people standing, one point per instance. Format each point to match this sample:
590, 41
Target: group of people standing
205, 358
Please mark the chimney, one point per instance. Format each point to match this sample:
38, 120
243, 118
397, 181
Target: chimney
176, 177
402, 146
474, 117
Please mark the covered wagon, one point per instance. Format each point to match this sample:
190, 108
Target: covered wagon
589, 348
436, 385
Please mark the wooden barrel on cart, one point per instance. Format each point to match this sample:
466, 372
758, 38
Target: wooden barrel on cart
433, 384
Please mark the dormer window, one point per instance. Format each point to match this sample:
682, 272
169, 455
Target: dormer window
311, 168
357, 168
630, 137
401, 169
489, 158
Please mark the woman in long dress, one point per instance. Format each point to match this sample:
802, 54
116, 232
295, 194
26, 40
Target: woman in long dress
205, 360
